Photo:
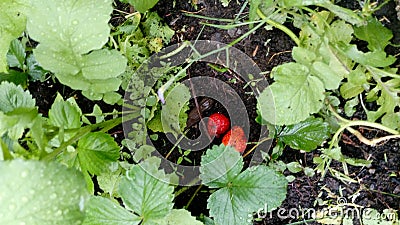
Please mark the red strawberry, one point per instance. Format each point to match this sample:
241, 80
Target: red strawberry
235, 138
217, 124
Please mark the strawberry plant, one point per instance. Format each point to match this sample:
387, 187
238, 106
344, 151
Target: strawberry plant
240, 193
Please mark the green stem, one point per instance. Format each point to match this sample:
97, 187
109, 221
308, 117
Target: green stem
193, 196
279, 26
189, 185
106, 125
247, 33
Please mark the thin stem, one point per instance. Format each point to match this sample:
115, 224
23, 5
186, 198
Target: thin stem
279, 26
247, 33
208, 18
82, 132
182, 190
175, 145
255, 146
193, 196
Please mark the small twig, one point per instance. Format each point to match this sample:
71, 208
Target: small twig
197, 105
277, 54
255, 146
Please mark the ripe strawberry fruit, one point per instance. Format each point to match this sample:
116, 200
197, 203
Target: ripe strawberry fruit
217, 124
235, 138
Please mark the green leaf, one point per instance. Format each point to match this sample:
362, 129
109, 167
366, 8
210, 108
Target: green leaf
112, 98
241, 194
103, 64
254, 4
64, 114
96, 151
392, 120
74, 26
293, 96
16, 77
179, 217
12, 24
173, 115
309, 172
13, 97
350, 106
33, 192
17, 110
155, 123
385, 93
220, 165
376, 58
16, 123
108, 182
328, 76
345, 14
306, 135
144, 194
375, 34
340, 31
104, 211
67, 36
294, 167
35, 71
356, 83
249, 191
292, 3
16, 54
142, 5
155, 29
59, 61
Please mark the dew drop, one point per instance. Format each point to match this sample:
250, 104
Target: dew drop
22, 223
11, 207
24, 174
24, 199
75, 22
53, 196
58, 213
